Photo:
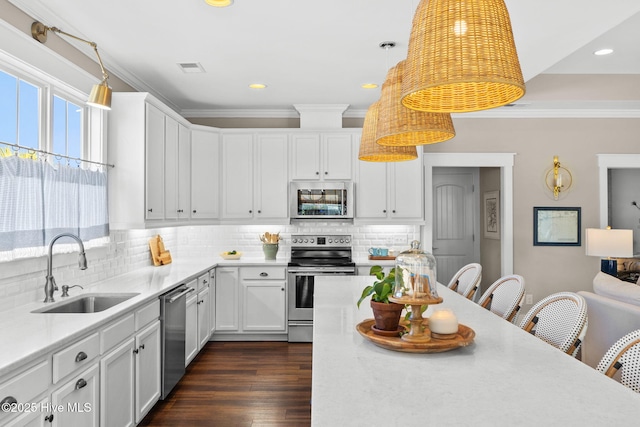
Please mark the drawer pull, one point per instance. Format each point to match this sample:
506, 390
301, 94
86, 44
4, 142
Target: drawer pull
81, 356
141, 347
263, 274
81, 383
136, 351
7, 402
49, 418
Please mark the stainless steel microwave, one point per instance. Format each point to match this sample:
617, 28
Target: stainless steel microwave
321, 200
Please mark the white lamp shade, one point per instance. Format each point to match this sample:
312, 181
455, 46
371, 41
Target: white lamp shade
609, 243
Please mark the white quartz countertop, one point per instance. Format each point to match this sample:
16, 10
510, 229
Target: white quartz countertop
25, 336
507, 377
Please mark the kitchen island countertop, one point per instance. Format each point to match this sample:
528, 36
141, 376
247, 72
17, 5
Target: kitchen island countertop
506, 377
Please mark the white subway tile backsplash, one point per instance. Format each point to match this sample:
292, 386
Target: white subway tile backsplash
22, 281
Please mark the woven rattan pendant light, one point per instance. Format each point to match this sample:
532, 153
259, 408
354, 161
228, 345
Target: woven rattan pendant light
399, 125
372, 152
461, 57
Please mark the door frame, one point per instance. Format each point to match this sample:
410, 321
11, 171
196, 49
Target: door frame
502, 160
606, 162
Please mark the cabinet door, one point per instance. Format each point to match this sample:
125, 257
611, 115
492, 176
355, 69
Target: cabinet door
371, 190
205, 174
305, 157
203, 317
406, 190
212, 301
170, 168
263, 306
191, 329
338, 157
154, 167
237, 176
80, 399
271, 180
117, 386
227, 299
184, 172
147, 369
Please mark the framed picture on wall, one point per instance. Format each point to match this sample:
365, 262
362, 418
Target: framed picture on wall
492, 215
556, 226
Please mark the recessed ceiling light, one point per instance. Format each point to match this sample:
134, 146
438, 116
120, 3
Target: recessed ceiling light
369, 86
257, 86
191, 67
603, 52
219, 3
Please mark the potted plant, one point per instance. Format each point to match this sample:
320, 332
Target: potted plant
385, 313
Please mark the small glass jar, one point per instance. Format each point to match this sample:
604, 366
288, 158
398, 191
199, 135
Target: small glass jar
415, 274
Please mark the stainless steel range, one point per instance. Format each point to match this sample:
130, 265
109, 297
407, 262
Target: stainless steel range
311, 256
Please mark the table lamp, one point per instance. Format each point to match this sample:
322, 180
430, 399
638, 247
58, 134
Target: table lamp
610, 244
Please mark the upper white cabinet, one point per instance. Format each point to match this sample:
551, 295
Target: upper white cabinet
321, 156
150, 146
254, 176
177, 179
390, 192
205, 173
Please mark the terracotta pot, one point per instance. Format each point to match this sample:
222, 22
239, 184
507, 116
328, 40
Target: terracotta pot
386, 316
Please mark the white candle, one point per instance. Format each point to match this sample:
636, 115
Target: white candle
443, 321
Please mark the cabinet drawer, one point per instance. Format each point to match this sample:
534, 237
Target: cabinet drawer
263, 273
117, 332
147, 314
75, 356
203, 282
26, 386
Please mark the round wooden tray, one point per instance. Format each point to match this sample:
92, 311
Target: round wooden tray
463, 338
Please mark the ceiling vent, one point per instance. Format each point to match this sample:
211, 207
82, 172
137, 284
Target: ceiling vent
191, 67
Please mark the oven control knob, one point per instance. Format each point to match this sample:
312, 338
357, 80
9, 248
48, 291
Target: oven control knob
341, 240
346, 240
330, 241
311, 240
294, 240
305, 240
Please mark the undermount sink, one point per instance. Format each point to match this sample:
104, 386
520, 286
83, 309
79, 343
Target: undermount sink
89, 303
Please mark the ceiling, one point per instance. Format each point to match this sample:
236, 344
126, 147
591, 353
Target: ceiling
310, 52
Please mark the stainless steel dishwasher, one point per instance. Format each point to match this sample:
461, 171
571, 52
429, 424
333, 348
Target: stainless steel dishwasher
173, 308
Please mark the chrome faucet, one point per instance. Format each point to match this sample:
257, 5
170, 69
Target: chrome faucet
50, 287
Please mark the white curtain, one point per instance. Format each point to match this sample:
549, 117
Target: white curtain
39, 200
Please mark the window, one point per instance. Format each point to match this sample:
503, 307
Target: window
66, 132
19, 111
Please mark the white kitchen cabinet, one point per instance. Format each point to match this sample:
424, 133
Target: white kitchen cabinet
146, 187
203, 306
254, 176
148, 367
117, 386
390, 192
227, 302
264, 299
34, 418
80, 399
24, 387
130, 376
191, 326
177, 179
212, 301
205, 173
322, 156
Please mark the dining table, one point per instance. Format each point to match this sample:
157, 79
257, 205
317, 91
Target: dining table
503, 376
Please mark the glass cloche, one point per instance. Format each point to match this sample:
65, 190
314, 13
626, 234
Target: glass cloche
415, 274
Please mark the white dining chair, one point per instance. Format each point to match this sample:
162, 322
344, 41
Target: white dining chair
560, 320
466, 280
624, 357
504, 297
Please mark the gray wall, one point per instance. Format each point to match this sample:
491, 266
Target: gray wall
624, 187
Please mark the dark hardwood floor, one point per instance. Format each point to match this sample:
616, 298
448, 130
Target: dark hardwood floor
241, 384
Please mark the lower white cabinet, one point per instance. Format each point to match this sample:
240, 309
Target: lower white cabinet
33, 418
251, 300
212, 301
202, 303
191, 329
130, 378
78, 400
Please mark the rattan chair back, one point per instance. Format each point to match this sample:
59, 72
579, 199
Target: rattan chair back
560, 320
466, 280
624, 357
504, 297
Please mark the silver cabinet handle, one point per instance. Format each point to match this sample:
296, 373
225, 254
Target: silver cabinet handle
263, 274
81, 356
81, 383
7, 402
